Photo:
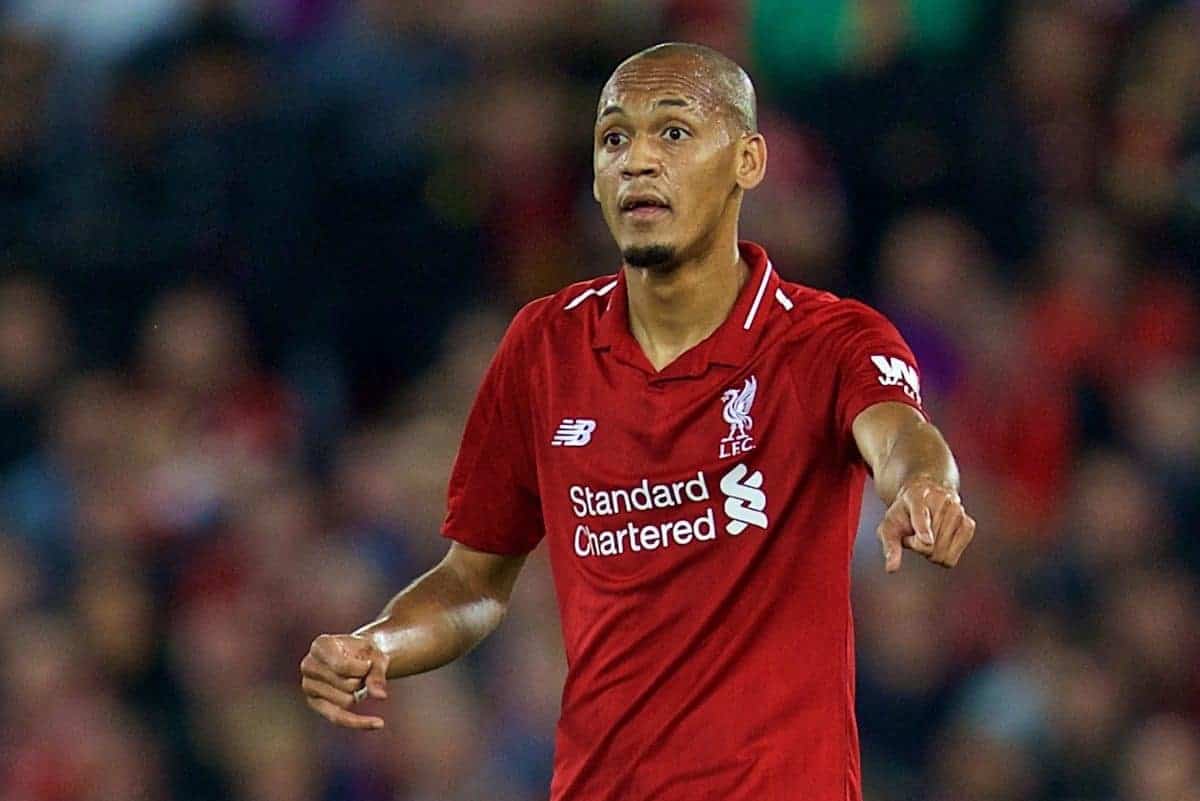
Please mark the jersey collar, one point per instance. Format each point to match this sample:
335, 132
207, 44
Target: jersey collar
731, 344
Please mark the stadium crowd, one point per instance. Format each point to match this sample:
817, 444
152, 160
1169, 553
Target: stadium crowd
254, 257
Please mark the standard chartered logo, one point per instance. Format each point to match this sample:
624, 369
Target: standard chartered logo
744, 499
745, 506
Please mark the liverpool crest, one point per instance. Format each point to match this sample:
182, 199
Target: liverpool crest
736, 412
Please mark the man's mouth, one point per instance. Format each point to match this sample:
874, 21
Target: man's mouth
645, 207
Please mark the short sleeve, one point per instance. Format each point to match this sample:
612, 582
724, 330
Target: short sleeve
493, 502
874, 365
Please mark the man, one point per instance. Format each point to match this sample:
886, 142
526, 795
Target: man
691, 437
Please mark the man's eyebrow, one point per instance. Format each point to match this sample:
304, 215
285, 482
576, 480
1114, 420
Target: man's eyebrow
679, 102
673, 101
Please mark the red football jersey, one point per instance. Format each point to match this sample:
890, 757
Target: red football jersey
700, 522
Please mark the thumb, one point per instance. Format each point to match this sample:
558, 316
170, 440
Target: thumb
890, 538
923, 525
376, 679
921, 517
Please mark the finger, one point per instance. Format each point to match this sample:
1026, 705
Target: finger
342, 717
376, 680
912, 543
962, 538
315, 669
946, 507
945, 538
891, 533
319, 689
920, 516
341, 658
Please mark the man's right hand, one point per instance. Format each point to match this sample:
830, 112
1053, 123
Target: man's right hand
336, 666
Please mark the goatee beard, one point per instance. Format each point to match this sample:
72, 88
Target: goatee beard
655, 257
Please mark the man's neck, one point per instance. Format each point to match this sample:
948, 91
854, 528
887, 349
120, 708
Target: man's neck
669, 313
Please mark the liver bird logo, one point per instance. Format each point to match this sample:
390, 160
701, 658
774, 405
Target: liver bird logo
737, 409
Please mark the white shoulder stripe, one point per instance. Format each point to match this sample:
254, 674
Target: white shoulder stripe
581, 297
762, 287
783, 299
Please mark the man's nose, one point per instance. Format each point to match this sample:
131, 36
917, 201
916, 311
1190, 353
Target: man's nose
641, 160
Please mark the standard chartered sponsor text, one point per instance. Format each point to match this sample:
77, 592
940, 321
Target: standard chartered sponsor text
588, 502
612, 540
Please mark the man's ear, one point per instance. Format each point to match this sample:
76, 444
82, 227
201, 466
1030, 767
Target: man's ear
752, 160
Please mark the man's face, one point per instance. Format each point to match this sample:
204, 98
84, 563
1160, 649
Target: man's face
665, 157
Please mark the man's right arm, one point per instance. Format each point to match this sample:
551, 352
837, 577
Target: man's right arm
436, 619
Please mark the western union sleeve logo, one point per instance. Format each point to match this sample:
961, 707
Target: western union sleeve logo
895, 372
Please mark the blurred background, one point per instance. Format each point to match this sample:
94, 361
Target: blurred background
254, 257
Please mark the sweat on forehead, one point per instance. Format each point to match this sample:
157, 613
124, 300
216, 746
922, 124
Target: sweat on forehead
689, 69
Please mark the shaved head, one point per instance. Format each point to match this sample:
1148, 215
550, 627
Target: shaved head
719, 78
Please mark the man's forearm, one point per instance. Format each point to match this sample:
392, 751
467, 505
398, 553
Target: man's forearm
433, 621
918, 451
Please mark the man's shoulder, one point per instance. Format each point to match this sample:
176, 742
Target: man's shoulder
817, 307
572, 308
815, 316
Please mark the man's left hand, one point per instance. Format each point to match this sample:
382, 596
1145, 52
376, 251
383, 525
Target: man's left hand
926, 517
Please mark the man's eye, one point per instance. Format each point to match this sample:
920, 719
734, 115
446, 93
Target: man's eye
614, 139
676, 134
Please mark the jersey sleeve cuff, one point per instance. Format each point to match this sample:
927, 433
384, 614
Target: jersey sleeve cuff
860, 405
477, 542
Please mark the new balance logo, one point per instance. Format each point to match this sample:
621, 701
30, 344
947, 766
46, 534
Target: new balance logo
573, 433
744, 499
894, 372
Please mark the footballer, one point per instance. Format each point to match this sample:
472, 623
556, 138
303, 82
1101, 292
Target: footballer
691, 437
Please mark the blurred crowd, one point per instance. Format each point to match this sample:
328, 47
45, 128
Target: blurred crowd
254, 257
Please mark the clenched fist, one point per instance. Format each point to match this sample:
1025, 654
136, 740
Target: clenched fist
336, 668
928, 518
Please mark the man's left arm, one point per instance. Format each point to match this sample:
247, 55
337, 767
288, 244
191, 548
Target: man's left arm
916, 476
